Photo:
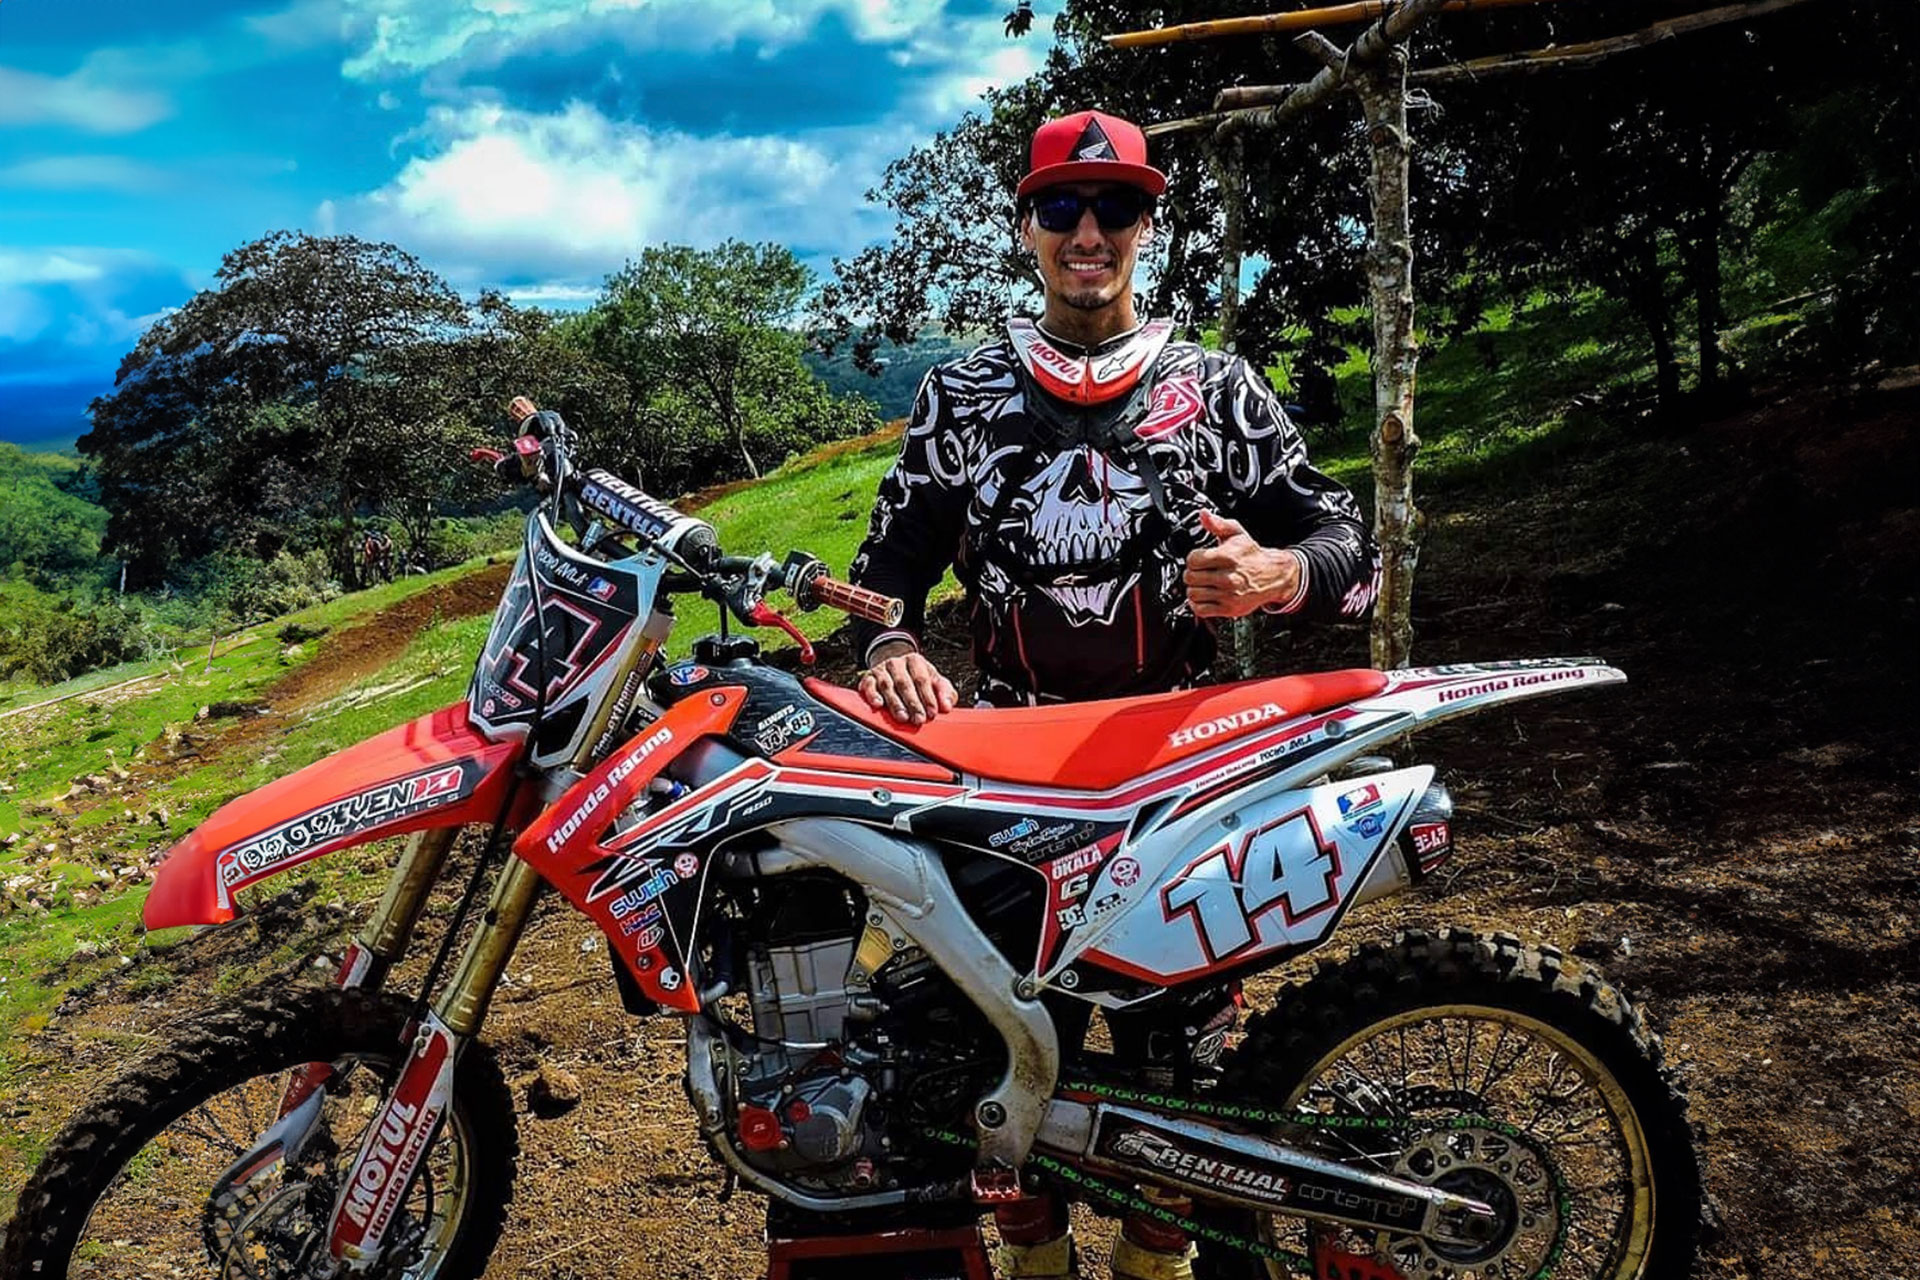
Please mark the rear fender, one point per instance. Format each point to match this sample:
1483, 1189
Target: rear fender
1431, 694
437, 771
644, 907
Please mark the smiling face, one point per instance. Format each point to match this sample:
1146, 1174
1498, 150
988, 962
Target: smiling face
1087, 271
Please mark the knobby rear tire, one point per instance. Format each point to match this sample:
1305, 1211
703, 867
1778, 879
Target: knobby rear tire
1377, 985
224, 1050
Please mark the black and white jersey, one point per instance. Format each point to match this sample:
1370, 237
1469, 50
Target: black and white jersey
1074, 580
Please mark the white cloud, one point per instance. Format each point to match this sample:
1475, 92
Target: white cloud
406, 36
49, 266
300, 25
78, 173
79, 100
569, 196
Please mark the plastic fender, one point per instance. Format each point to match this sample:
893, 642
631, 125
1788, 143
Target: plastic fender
1264, 875
437, 771
564, 845
1431, 694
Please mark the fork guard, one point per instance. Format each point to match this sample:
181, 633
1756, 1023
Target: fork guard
436, 771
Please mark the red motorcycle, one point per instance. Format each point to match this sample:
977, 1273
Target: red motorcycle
884, 944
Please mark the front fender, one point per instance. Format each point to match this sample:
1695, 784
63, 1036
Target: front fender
437, 771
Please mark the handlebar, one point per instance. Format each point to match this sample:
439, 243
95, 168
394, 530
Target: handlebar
858, 602
735, 581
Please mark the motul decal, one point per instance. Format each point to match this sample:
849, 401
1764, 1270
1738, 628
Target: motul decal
395, 1142
1226, 724
376, 806
1175, 403
591, 802
1055, 362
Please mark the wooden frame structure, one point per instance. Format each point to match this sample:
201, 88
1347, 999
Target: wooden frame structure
1374, 69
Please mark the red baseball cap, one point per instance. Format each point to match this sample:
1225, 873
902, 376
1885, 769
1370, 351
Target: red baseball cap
1090, 146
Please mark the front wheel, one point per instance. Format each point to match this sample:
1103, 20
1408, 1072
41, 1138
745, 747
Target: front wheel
131, 1186
1486, 1068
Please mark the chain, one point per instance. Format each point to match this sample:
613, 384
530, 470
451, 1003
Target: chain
1126, 1198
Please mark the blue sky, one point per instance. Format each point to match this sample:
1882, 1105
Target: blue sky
530, 145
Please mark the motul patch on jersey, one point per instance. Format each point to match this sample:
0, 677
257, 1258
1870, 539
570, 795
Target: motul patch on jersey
1175, 403
1093, 378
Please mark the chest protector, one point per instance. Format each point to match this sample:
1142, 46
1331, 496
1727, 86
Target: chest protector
1102, 397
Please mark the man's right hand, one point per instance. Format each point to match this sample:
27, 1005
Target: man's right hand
905, 685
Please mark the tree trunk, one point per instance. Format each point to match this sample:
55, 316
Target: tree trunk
1704, 260
1647, 295
1397, 522
1229, 175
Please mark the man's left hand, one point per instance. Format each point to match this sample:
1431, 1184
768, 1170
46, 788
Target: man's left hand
1237, 576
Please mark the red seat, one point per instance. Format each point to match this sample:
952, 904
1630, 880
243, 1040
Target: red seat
1096, 746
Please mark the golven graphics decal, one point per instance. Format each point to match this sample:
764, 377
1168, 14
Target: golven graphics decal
376, 806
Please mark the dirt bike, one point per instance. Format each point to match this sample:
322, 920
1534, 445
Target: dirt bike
885, 943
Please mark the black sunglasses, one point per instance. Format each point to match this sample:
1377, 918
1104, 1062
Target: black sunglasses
1115, 209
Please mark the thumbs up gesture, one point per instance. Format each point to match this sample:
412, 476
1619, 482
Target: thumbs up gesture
1237, 575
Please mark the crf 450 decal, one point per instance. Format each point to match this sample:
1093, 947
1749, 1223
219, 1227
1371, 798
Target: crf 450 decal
376, 806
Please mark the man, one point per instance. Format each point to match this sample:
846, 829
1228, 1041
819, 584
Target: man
1099, 489
1102, 493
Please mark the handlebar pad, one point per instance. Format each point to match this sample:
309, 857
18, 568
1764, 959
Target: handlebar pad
858, 601
688, 537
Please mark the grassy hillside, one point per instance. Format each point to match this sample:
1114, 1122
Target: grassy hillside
93, 789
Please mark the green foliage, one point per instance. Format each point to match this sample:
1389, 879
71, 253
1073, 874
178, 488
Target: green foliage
48, 528
312, 382
46, 637
247, 590
710, 376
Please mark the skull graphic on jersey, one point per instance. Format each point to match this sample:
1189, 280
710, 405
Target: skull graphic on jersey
1078, 525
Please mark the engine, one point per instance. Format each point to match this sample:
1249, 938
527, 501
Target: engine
854, 1043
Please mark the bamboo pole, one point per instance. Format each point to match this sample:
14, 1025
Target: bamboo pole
1282, 23
1397, 522
1243, 102
1226, 158
1372, 45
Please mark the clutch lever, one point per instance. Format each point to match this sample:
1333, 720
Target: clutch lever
763, 614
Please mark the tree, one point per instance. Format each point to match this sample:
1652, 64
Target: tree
703, 346
277, 405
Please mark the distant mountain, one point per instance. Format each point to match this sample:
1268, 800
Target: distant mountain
47, 416
894, 389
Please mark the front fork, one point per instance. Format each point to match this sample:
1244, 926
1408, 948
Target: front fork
400, 1134
373, 951
378, 945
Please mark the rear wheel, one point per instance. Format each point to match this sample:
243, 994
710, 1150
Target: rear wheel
129, 1186
1474, 1064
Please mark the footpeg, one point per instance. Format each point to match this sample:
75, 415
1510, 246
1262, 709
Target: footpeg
996, 1186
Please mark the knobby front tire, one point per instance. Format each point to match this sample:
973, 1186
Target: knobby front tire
126, 1182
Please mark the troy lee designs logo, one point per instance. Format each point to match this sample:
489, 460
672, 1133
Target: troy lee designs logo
1176, 402
345, 816
598, 796
1226, 724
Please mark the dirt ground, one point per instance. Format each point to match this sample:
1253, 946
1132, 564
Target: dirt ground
1734, 837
